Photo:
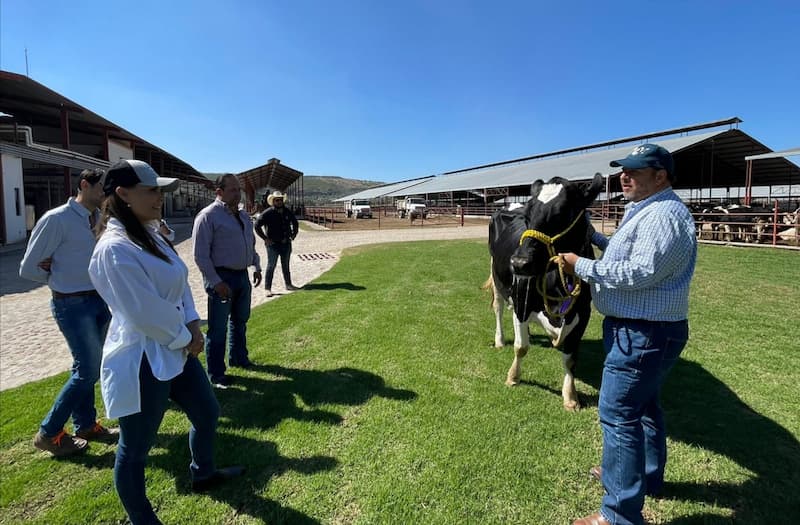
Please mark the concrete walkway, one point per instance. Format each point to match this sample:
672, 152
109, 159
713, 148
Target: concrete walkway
31, 346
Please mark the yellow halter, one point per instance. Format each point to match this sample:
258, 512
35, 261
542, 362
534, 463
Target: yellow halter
541, 285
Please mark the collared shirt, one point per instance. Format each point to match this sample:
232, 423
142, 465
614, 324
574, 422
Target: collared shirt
222, 240
648, 263
280, 224
64, 234
151, 304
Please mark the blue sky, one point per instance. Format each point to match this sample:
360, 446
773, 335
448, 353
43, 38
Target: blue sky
392, 90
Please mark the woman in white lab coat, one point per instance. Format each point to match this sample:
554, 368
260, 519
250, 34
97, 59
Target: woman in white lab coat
150, 352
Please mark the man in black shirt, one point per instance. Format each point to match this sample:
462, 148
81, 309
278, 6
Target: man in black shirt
278, 227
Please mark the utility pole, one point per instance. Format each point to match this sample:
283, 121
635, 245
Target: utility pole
27, 73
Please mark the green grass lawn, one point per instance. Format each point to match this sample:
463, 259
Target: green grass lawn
380, 399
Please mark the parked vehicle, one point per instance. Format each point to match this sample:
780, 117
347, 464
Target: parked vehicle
358, 208
413, 207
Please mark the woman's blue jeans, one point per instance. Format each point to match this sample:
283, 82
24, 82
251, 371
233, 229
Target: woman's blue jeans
192, 392
639, 356
275, 250
83, 319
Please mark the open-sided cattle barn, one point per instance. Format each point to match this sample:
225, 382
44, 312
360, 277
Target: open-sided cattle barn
709, 160
272, 175
46, 139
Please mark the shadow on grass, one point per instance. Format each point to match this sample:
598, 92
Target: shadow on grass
103, 461
263, 463
261, 403
704, 412
333, 286
542, 348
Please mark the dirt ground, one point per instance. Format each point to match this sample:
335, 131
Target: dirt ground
392, 222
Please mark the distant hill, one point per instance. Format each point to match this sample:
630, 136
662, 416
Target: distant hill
322, 190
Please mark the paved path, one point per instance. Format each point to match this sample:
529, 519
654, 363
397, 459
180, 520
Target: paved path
31, 347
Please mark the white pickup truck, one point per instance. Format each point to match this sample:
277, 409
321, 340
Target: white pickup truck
413, 207
358, 208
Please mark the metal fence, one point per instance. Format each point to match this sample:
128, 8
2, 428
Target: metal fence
743, 227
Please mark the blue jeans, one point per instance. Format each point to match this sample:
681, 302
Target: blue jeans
83, 319
275, 250
225, 316
639, 356
192, 392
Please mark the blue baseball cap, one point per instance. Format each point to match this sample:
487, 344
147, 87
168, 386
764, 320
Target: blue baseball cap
647, 156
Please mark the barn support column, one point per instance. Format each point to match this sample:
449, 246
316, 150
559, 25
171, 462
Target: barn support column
3, 236
748, 182
65, 143
606, 213
711, 173
703, 177
105, 144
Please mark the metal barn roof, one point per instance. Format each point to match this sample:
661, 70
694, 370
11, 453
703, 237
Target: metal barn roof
713, 158
578, 166
30, 103
273, 174
386, 189
784, 153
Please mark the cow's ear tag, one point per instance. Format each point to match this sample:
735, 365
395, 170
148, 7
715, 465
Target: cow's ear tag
549, 192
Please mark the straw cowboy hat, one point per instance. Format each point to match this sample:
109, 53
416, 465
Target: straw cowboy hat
275, 195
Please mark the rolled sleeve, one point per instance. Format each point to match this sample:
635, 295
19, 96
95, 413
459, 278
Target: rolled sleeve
45, 238
182, 341
583, 268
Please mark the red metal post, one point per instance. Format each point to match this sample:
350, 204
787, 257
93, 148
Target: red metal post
105, 144
775, 223
3, 233
748, 182
65, 143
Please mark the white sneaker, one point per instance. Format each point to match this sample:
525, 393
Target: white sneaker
269, 292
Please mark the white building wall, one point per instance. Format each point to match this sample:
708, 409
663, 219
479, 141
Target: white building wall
13, 198
118, 150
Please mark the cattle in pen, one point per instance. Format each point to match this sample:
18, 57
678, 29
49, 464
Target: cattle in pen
733, 222
525, 272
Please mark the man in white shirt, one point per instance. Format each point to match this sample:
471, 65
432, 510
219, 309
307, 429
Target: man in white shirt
58, 255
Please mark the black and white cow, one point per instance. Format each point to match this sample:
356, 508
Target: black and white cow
525, 273
739, 222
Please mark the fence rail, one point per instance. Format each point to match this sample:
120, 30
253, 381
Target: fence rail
742, 226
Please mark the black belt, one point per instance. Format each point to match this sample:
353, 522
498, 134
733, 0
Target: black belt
628, 320
226, 269
91, 293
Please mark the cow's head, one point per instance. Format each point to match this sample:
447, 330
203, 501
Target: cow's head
555, 210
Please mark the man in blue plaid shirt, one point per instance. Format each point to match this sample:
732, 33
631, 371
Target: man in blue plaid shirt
641, 285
